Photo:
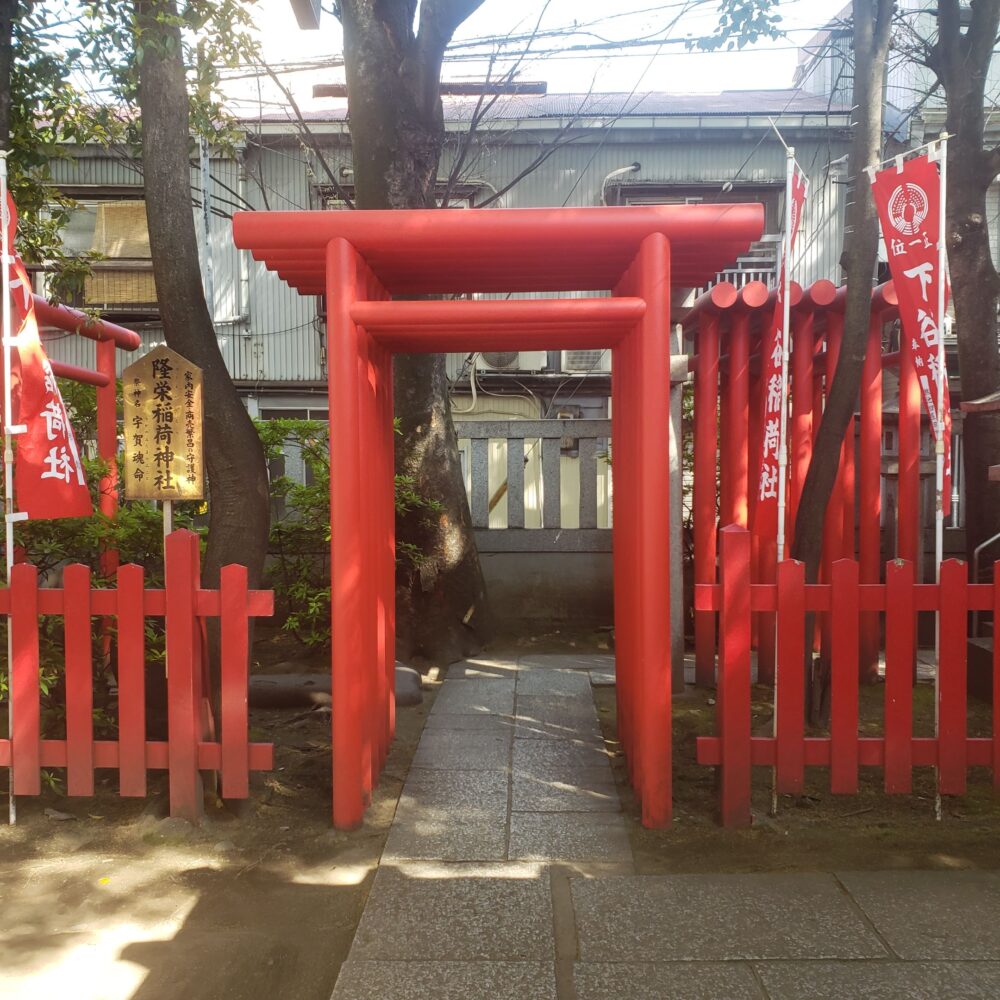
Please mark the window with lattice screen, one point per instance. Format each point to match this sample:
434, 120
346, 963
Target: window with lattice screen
124, 278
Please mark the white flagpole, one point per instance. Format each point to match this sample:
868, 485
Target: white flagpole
8, 469
785, 321
942, 360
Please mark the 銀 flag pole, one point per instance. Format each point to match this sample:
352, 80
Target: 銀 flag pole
941, 373
786, 281
9, 430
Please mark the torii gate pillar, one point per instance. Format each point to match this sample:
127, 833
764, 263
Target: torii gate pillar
360, 260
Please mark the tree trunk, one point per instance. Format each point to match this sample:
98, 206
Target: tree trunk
397, 132
8, 11
962, 63
872, 21
239, 509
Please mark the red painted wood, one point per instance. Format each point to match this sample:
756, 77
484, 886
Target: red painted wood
235, 638
346, 544
766, 621
24, 690
952, 690
801, 427
790, 680
871, 751
733, 711
900, 649
652, 486
367, 666
183, 676
131, 681
706, 400
870, 492
844, 677
908, 506
79, 682
739, 417
995, 762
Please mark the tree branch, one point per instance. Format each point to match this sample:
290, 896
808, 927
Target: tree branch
310, 140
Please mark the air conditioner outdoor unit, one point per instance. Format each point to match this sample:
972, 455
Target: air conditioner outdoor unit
587, 361
511, 361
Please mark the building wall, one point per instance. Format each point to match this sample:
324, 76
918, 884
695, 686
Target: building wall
270, 334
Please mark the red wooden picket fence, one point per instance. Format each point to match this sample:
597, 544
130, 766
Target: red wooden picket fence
191, 745
735, 751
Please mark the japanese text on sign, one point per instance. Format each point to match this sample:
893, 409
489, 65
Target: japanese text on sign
163, 428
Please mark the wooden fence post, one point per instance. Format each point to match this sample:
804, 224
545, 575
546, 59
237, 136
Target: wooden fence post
26, 739
131, 681
844, 647
952, 693
734, 675
233, 607
790, 679
900, 633
183, 677
79, 681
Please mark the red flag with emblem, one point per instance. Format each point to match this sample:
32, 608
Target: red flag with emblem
48, 476
908, 199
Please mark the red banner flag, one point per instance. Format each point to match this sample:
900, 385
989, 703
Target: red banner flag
908, 199
775, 389
48, 475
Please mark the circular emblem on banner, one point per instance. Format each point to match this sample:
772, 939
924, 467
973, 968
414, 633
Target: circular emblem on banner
907, 208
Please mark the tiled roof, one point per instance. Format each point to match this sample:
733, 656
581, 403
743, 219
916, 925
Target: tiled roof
519, 107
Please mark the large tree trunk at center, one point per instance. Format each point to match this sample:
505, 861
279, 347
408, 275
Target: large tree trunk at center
239, 511
872, 21
397, 132
962, 61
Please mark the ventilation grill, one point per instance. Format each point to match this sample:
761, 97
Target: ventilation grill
501, 359
583, 361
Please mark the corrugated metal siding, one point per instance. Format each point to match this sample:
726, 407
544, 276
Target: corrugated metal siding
269, 333
574, 175
265, 332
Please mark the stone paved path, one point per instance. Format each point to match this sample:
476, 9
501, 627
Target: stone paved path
507, 875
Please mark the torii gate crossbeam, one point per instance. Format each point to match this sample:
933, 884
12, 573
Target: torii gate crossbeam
360, 260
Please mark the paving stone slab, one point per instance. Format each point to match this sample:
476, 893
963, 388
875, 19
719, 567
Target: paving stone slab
446, 749
548, 682
668, 981
430, 835
553, 757
718, 918
477, 696
603, 678
556, 708
568, 661
457, 913
569, 837
582, 790
581, 729
456, 790
471, 723
928, 915
482, 666
450, 816
881, 980
364, 980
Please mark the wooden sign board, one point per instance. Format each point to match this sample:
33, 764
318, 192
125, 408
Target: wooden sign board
163, 458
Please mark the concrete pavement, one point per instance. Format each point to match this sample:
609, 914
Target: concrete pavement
508, 874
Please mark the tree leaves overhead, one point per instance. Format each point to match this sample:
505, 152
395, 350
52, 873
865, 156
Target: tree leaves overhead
742, 22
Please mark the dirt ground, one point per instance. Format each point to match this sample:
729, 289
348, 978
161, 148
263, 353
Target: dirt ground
119, 903
816, 831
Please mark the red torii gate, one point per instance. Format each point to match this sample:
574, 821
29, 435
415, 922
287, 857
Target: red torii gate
360, 260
